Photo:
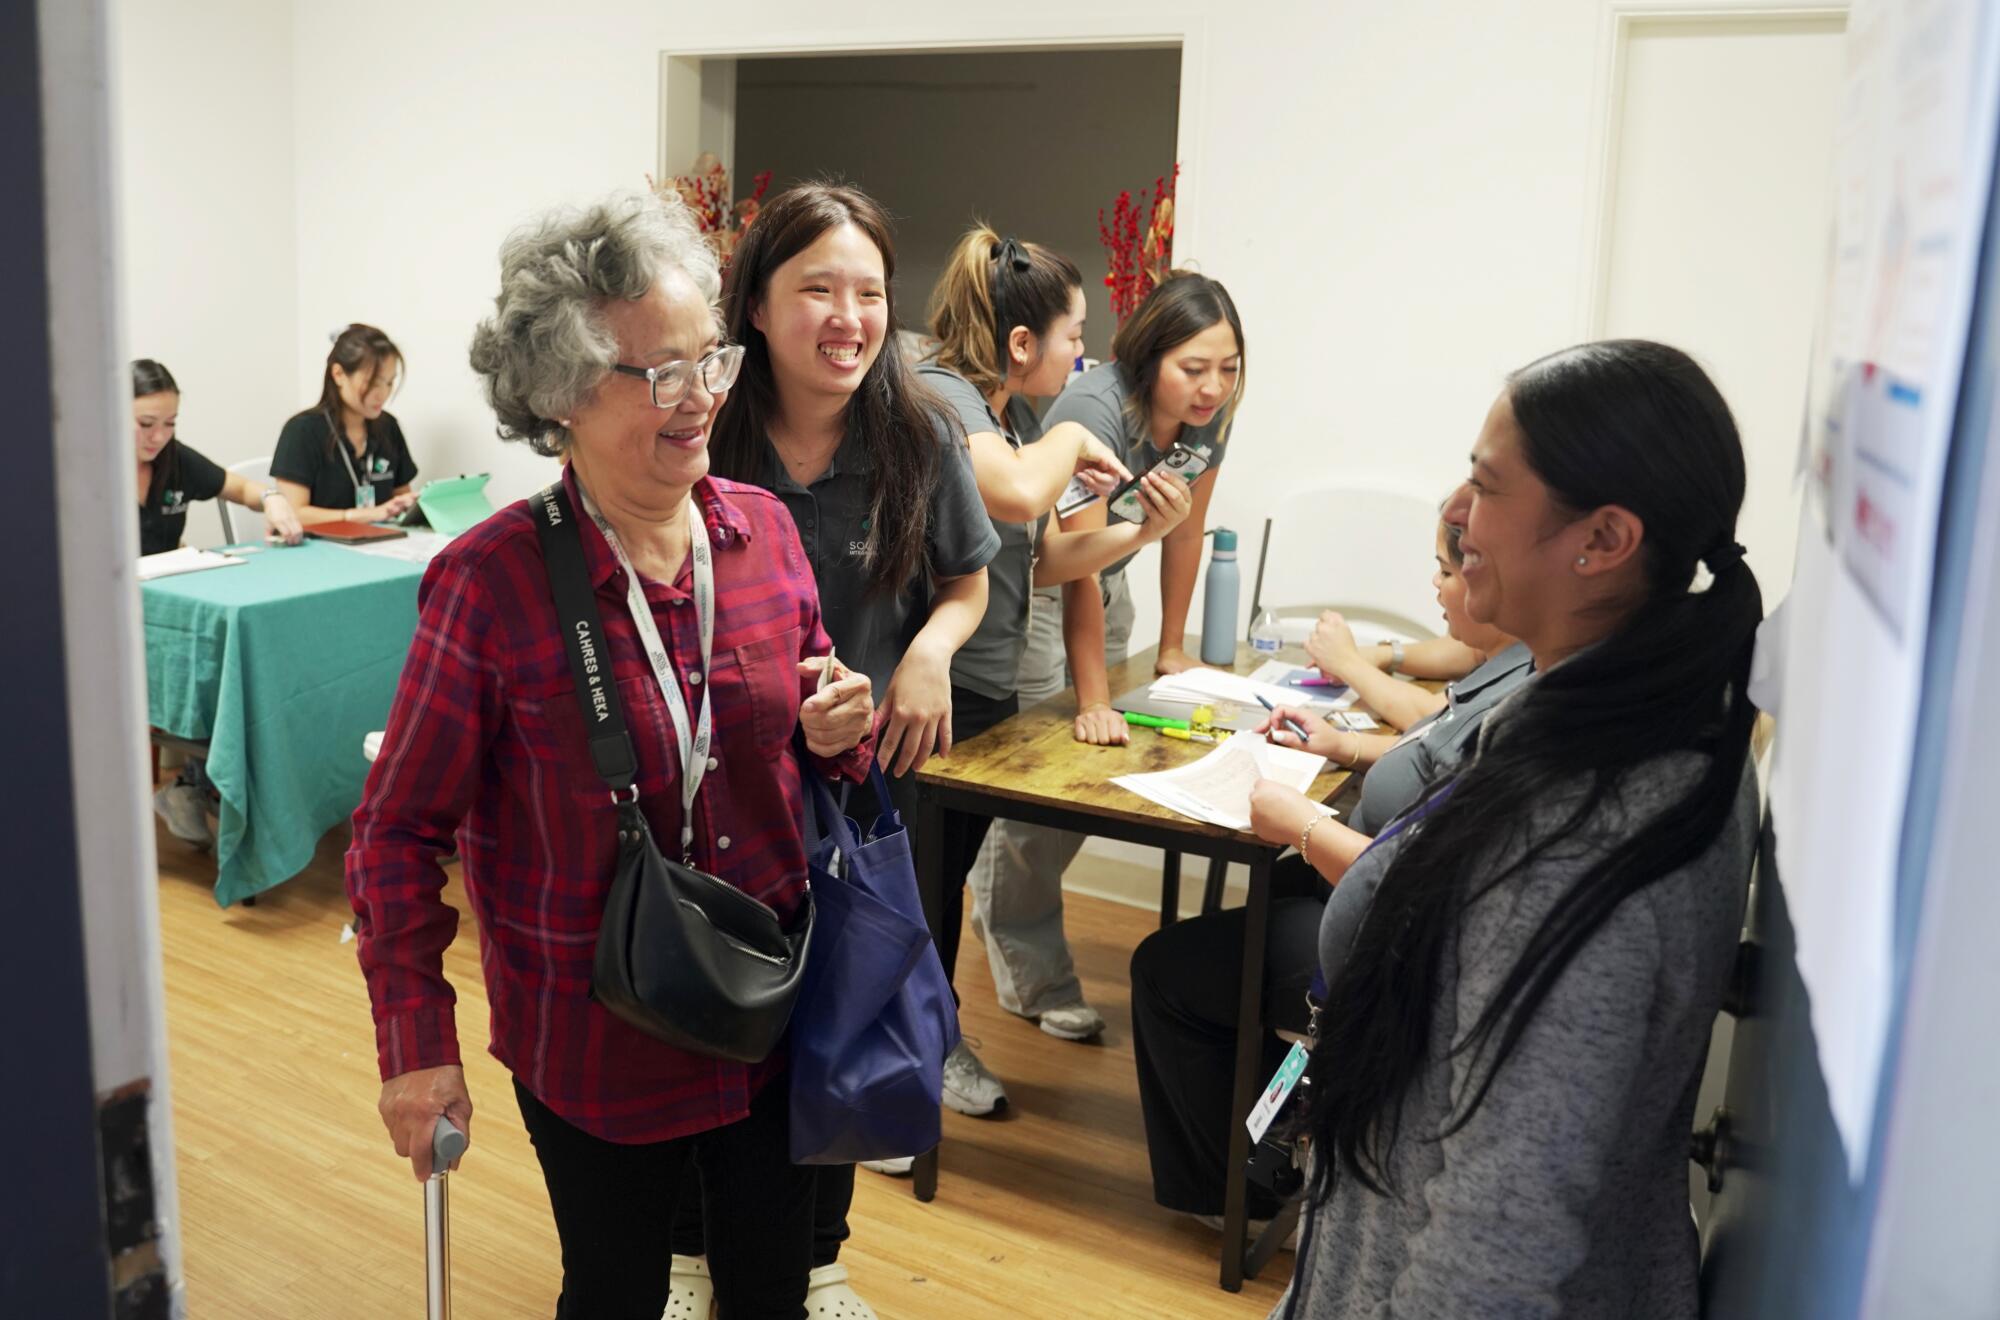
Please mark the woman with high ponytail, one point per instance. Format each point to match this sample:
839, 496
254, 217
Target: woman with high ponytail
1008, 317
1524, 968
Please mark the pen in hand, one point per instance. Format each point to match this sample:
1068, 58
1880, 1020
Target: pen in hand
1289, 723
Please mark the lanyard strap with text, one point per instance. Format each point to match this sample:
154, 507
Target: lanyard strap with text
347, 452
694, 749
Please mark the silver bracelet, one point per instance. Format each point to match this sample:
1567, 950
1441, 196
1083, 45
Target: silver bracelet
1305, 836
269, 491
1396, 656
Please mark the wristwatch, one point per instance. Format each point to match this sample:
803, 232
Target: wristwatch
1396, 656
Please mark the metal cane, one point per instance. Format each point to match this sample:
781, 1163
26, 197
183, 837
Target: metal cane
447, 1144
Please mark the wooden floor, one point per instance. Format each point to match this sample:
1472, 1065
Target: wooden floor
294, 1205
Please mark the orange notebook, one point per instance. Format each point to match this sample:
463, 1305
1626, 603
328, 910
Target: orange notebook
351, 531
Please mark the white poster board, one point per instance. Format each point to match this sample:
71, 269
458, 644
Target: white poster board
1913, 167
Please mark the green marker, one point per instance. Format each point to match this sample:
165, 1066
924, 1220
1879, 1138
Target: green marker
1154, 721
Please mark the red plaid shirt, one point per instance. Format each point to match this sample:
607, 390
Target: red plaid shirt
485, 739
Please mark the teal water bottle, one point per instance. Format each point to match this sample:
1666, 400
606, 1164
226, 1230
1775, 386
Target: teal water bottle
1218, 602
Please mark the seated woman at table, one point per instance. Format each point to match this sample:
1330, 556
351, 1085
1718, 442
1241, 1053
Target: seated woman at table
345, 457
1522, 974
1185, 977
172, 475
604, 349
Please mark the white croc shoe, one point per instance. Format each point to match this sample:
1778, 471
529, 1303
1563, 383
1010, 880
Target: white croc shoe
830, 1297
692, 1296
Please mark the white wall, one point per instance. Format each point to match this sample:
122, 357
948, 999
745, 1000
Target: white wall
1724, 142
203, 100
1397, 196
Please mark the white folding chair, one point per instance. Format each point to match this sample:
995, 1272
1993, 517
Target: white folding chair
1365, 550
252, 469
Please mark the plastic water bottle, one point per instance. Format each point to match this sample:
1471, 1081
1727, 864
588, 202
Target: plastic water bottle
1265, 635
1218, 603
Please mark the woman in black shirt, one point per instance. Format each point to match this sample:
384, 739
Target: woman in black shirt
345, 457
171, 475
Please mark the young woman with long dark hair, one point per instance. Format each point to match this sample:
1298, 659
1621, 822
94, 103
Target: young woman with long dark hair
829, 417
345, 457
1177, 378
1524, 968
1186, 977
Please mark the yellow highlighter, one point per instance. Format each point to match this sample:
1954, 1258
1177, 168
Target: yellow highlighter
1186, 735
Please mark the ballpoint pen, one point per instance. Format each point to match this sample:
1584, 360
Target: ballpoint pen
1289, 723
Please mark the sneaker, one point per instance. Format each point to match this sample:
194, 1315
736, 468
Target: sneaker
896, 1166
968, 1087
692, 1294
184, 809
1078, 1021
830, 1297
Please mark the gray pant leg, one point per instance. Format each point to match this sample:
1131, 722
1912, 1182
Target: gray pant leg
1016, 880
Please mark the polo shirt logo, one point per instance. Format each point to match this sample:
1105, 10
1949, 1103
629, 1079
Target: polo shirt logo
173, 501
378, 466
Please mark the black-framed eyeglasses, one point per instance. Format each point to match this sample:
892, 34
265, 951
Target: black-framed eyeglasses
670, 380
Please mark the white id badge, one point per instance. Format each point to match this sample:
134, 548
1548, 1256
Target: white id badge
1273, 1099
364, 495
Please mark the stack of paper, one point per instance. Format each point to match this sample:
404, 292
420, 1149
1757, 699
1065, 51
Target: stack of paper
1216, 789
187, 559
1205, 687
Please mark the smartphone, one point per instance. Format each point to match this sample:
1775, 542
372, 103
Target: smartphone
1075, 496
1188, 462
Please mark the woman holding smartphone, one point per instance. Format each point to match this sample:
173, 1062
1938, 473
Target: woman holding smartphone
1176, 380
1008, 317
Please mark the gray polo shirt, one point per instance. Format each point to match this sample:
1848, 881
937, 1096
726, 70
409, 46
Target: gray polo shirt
990, 661
1096, 401
872, 629
1396, 781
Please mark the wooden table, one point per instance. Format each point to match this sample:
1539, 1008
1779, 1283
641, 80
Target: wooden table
1031, 768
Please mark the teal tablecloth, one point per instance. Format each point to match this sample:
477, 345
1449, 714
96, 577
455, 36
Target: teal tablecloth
281, 665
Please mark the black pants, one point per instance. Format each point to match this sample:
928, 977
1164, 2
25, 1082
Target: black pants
971, 714
1185, 982
614, 1207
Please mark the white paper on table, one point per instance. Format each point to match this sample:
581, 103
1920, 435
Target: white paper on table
1216, 789
418, 546
186, 559
1205, 687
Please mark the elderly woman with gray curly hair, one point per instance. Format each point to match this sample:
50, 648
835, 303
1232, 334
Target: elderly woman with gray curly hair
604, 350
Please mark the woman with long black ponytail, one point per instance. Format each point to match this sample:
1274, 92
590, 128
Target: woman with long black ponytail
1524, 968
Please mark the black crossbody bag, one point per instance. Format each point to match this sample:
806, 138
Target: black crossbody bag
685, 957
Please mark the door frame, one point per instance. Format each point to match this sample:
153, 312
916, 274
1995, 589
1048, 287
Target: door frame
1615, 28
691, 113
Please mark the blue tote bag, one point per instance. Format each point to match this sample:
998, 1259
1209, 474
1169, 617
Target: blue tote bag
875, 1017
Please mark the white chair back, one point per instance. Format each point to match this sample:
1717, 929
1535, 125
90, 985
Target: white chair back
1362, 549
251, 469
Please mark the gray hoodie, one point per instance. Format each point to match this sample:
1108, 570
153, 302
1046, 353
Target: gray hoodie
1566, 1194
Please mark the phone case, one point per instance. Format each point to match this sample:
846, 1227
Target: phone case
1189, 463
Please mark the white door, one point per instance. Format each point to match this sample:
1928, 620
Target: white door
1719, 212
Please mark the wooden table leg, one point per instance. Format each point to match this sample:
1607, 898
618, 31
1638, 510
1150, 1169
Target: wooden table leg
929, 840
1211, 896
1249, 1051
1170, 889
